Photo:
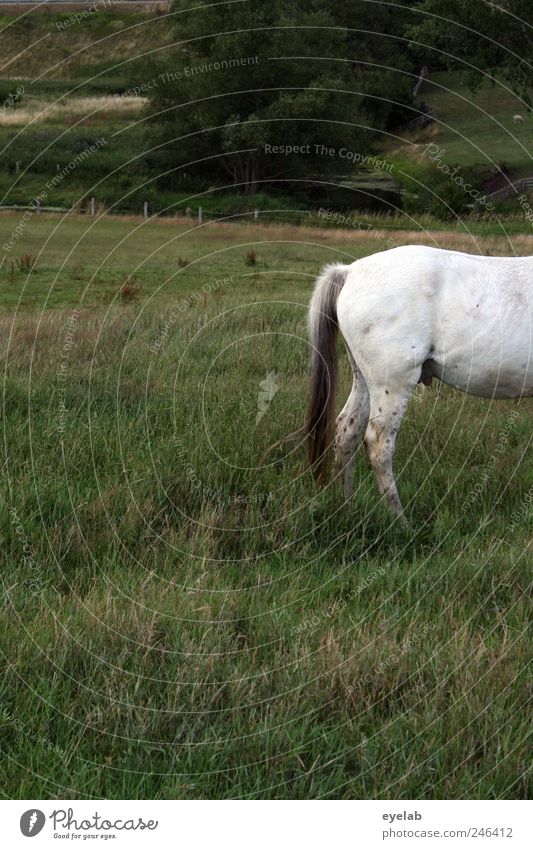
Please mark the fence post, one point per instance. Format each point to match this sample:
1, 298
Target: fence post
93, 207
256, 214
145, 212
200, 214
17, 167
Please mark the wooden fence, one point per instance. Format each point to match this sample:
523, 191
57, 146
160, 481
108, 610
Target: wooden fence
419, 121
517, 187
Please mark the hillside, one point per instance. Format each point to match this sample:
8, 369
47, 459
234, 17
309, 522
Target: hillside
72, 73
473, 128
52, 44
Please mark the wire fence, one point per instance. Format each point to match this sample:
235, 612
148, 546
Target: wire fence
97, 208
322, 217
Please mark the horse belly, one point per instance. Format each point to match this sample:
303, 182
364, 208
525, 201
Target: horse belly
489, 373
483, 334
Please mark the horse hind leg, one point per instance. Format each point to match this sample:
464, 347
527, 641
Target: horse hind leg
387, 409
351, 425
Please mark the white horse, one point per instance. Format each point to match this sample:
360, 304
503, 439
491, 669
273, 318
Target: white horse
408, 315
518, 119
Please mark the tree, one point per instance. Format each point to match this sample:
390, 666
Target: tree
275, 90
478, 36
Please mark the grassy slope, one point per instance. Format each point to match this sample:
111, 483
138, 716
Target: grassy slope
164, 644
476, 128
88, 59
105, 40
479, 125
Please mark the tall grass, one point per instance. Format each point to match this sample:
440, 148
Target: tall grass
184, 614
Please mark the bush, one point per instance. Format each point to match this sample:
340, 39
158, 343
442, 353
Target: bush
449, 200
11, 94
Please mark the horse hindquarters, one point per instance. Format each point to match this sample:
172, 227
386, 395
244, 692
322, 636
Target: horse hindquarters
391, 367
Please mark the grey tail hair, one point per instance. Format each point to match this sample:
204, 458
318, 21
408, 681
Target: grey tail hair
323, 329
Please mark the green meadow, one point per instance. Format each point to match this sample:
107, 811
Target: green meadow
184, 614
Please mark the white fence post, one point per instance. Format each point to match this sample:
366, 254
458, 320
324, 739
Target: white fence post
256, 214
145, 209
93, 207
200, 214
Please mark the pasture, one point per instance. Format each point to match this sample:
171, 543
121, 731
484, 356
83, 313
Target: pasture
184, 614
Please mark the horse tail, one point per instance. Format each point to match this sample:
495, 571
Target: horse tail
323, 330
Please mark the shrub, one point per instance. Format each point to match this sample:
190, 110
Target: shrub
25, 262
130, 290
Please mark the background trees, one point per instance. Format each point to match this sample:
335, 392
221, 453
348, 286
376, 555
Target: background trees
475, 37
247, 78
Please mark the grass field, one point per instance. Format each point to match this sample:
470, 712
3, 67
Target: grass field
184, 615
